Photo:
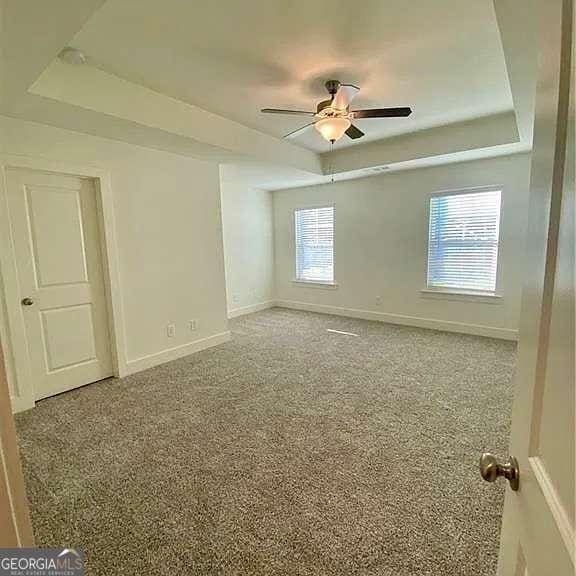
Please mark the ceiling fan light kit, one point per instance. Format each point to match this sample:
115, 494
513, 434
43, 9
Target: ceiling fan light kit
332, 129
334, 117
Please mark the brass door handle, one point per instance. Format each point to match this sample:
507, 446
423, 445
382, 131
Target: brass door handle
27, 302
491, 469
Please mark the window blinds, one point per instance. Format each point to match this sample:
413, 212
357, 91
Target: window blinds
315, 244
463, 241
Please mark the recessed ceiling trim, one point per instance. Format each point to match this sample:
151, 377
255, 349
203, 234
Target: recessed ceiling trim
480, 133
96, 90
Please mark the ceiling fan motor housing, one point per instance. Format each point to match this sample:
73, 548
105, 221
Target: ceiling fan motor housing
323, 105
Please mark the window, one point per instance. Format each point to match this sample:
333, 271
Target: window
463, 241
315, 245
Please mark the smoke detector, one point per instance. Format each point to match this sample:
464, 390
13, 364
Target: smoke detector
72, 56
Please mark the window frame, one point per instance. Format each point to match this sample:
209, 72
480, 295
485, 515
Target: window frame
313, 283
459, 293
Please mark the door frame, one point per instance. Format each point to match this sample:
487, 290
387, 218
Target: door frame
12, 328
15, 525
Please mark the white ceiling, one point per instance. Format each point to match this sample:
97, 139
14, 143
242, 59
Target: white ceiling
190, 78
443, 58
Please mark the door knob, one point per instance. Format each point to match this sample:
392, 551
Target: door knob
491, 469
27, 301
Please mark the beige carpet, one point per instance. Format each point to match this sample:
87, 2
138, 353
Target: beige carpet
290, 450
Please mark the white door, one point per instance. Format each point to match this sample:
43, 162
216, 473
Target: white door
56, 241
538, 525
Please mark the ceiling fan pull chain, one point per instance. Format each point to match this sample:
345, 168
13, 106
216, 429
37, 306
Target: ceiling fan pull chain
332, 161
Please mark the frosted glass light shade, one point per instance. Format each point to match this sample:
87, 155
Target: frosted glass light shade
332, 129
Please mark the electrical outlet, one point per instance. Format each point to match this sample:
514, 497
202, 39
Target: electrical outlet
235, 298
171, 330
193, 325
378, 300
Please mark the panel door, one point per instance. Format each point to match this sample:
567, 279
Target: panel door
538, 536
57, 246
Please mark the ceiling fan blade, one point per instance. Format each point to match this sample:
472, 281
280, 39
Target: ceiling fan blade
292, 112
298, 131
383, 113
354, 132
344, 96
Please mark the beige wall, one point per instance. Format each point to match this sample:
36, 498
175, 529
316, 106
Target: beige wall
381, 245
168, 227
171, 253
248, 245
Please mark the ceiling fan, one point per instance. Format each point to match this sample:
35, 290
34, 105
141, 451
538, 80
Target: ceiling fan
333, 117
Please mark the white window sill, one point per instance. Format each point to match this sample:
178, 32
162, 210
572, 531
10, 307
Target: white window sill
461, 295
313, 284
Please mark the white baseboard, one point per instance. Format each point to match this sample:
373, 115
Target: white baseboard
250, 309
20, 404
164, 356
431, 323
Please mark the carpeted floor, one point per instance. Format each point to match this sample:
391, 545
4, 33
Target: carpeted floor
288, 451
